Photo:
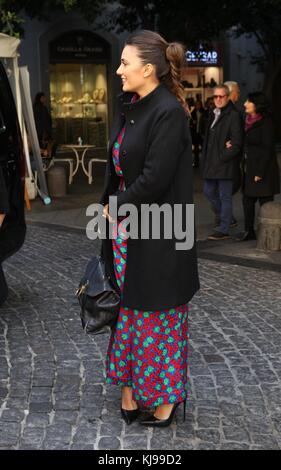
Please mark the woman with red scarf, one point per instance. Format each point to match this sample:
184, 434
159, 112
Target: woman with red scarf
260, 168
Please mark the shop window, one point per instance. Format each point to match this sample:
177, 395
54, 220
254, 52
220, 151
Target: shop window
78, 94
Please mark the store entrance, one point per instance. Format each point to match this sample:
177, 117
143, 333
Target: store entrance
199, 82
78, 94
79, 88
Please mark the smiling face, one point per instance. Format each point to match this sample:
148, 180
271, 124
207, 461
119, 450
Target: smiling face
250, 108
136, 77
221, 98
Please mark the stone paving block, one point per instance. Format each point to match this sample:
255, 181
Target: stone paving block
9, 434
54, 445
85, 432
235, 446
37, 420
185, 430
32, 437
72, 403
114, 428
183, 444
82, 446
162, 443
208, 421
212, 436
65, 416
265, 441
235, 433
109, 443
207, 446
40, 407
12, 415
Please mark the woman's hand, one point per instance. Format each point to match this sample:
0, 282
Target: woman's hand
2, 217
257, 179
107, 215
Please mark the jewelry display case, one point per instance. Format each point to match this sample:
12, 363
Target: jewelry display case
79, 109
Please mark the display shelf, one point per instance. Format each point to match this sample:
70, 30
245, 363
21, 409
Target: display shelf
78, 98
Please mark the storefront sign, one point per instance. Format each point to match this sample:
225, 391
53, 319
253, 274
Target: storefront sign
79, 46
205, 58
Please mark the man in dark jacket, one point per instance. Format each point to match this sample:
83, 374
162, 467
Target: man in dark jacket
222, 147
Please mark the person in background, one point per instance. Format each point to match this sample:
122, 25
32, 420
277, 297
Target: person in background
43, 122
196, 126
234, 97
208, 111
222, 145
260, 168
235, 92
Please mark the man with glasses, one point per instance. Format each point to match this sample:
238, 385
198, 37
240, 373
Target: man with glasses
222, 147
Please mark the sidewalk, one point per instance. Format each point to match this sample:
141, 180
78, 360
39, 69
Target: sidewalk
53, 393
71, 212
52, 376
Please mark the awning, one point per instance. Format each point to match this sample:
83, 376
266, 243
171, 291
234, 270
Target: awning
8, 45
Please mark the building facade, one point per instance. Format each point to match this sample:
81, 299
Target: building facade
74, 63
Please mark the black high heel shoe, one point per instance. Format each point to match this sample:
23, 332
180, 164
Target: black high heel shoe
151, 420
130, 416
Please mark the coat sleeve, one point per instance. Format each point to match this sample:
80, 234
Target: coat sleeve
4, 199
265, 149
236, 137
170, 137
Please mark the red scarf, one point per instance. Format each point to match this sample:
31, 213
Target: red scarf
250, 120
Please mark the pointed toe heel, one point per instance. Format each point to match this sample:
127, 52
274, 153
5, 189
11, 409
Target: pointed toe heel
129, 416
151, 420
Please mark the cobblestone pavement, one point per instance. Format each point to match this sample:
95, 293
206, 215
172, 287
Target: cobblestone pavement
52, 389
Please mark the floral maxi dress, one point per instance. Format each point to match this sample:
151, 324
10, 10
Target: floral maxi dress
148, 350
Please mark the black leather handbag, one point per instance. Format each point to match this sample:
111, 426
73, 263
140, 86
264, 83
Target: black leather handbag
99, 300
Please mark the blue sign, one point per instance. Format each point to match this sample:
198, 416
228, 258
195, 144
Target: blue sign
202, 57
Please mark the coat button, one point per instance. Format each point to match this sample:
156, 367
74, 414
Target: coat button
132, 121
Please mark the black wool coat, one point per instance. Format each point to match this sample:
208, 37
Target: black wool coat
12, 231
156, 161
4, 197
218, 162
260, 160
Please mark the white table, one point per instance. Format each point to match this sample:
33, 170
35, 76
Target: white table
82, 149
90, 167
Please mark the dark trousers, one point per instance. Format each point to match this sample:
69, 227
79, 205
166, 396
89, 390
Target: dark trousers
219, 193
249, 204
197, 143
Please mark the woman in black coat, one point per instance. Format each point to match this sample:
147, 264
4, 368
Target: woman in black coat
150, 162
261, 173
